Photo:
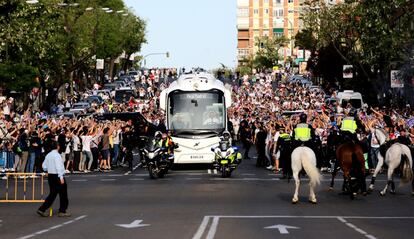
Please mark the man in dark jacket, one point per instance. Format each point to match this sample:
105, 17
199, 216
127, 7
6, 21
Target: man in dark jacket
245, 137
261, 146
128, 145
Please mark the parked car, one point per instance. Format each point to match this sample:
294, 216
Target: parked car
105, 94
110, 86
94, 99
351, 97
80, 108
124, 94
300, 79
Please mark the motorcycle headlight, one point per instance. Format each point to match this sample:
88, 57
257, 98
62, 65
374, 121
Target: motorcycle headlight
151, 155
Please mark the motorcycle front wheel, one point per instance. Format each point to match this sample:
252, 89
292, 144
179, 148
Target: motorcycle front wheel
152, 170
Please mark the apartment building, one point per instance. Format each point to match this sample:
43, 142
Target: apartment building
257, 18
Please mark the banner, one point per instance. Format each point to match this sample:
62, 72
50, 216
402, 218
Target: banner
347, 72
396, 81
99, 64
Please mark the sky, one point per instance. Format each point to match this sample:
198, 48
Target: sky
196, 33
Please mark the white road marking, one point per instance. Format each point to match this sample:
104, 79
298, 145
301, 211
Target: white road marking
52, 228
357, 229
193, 178
282, 228
79, 180
140, 174
244, 179
134, 224
202, 228
194, 174
213, 228
249, 174
108, 179
136, 179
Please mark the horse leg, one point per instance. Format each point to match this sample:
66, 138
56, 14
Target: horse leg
295, 198
377, 169
312, 196
389, 181
392, 191
412, 187
334, 172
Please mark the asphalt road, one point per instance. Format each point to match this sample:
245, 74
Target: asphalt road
193, 204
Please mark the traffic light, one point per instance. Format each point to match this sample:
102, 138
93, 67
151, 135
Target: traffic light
168, 54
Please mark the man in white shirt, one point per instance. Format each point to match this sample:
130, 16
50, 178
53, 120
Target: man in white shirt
53, 164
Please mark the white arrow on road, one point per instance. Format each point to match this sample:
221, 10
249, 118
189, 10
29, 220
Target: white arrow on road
282, 228
134, 224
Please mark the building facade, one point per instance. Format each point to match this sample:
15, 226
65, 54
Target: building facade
258, 18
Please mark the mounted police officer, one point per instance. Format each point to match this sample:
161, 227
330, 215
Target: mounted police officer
303, 134
349, 126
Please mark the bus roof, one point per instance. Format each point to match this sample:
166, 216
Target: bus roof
196, 82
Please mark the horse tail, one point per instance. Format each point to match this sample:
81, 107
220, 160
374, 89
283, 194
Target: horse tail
310, 168
407, 172
358, 164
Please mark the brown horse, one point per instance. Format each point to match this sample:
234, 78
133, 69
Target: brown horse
350, 158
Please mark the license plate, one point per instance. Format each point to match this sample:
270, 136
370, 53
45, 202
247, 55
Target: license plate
224, 161
196, 156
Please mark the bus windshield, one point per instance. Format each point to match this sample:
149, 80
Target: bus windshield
196, 112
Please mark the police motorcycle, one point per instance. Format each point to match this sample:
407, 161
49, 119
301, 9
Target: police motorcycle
155, 157
226, 157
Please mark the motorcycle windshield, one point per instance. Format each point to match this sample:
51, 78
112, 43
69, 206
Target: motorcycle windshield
152, 146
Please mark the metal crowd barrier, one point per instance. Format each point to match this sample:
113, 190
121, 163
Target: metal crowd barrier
14, 196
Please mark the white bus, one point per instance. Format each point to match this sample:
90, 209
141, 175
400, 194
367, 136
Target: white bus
195, 106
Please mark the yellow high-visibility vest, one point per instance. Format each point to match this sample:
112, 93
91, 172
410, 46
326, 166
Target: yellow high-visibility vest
349, 124
302, 132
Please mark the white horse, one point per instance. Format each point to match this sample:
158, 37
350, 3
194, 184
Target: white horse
304, 157
395, 155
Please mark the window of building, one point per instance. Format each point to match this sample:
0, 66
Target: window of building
277, 34
243, 12
256, 11
266, 33
256, 23
265, 1
256, 1
243, 52
277, 1
266, 11
280, 12
290, 1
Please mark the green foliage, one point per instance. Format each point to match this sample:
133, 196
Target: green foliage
61, 40
18, 77
374, 36
267, 54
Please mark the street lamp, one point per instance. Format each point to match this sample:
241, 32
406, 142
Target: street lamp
167, 54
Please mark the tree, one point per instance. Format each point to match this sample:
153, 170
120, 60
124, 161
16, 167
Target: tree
61, 39
365, 34
267, 54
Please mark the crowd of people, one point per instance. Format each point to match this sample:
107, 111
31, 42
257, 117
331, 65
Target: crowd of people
267, 107
265, 111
